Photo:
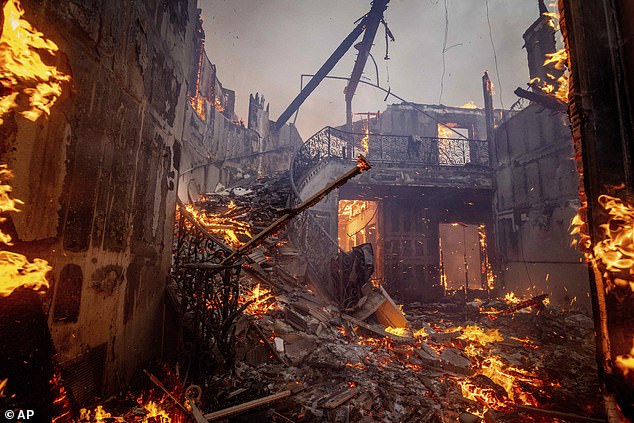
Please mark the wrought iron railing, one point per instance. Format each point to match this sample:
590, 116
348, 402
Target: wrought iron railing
205, 293
335, 143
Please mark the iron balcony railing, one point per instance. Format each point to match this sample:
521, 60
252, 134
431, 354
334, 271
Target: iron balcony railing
434, 151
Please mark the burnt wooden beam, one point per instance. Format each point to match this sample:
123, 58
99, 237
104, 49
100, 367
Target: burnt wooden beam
241, 408
544, 100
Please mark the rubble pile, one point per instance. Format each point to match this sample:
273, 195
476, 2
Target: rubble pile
451, 362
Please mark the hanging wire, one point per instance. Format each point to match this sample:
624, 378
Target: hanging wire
444, 50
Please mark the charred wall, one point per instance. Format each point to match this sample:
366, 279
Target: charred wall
218, 149
98, 178
536, 198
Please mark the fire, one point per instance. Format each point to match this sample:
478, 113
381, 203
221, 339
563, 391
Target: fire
22, 69
155, 413
511, 298
481, 395
486, 269
420, 333
365, 141
263, 301
469, 105
363, 164
3, 386
477, 334
403, 332
221, 224
616, 248
557, 60
624, 362
15, 269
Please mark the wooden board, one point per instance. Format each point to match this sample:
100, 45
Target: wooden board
388, 314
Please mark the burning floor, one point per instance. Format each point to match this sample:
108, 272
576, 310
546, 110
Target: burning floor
286, 353
306, 361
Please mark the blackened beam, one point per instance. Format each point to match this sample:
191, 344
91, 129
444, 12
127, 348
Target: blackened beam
373, 20
546, 101
322, 72
362, 166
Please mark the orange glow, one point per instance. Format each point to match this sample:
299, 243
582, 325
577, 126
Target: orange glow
365, 141
616, 250
3, 386
403, 332
15, 269
222, 225
481, 395
22, 69
476, 334
624, 362
420, 333
511, 298
263, 301
469, 105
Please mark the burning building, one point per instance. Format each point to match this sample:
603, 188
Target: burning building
415, 265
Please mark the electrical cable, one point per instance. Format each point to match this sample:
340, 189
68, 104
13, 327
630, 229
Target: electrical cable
444, 50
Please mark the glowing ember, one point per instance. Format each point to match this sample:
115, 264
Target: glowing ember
486, 269
477, 334
623, 362
263, 301
363, 164
222, 225
22, 69
404, 332
3, 386
511, 298
15, 269
420, 333
482, 395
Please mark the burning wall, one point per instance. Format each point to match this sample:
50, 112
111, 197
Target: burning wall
97, 177
536, 199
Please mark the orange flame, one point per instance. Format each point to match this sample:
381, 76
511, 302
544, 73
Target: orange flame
15, 269
227, 227
21, 65
365, 141
263, 301
616, 248
476, 334
624, 362
469, 105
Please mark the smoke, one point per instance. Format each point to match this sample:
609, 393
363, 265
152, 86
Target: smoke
266, 46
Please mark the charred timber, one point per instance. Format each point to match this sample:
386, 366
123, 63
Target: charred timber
546, 101
362, 166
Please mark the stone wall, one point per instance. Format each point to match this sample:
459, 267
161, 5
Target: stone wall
536, 198
98, 179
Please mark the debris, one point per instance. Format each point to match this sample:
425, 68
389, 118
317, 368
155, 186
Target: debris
341, 397
558, 414
237, 409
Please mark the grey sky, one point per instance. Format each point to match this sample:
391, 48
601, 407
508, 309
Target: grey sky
265, 45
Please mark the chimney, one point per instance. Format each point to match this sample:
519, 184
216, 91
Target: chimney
539, 40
